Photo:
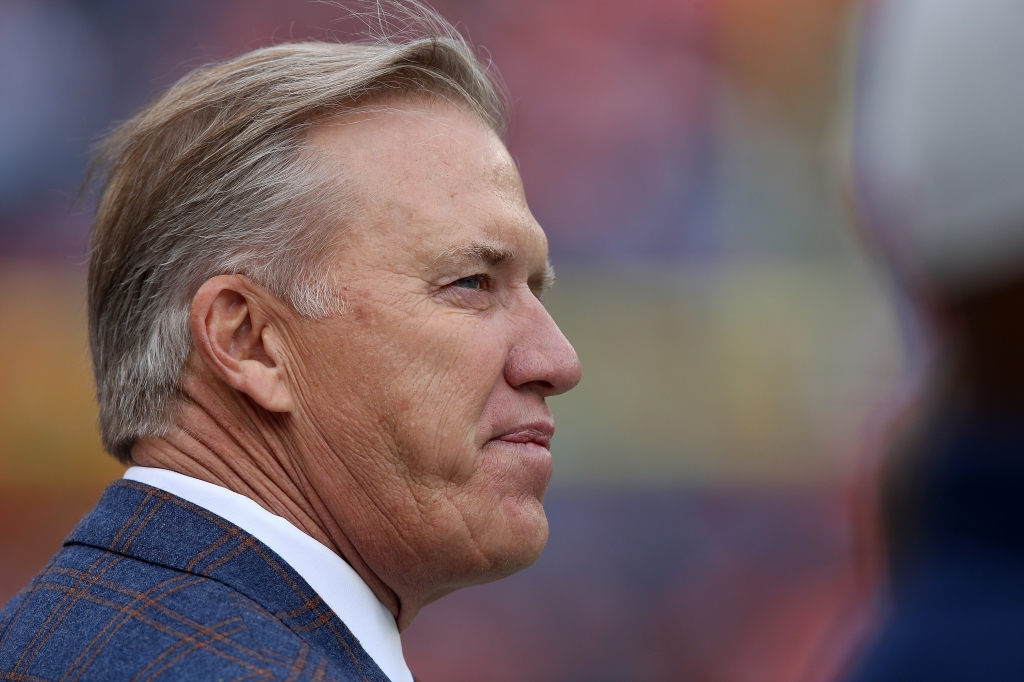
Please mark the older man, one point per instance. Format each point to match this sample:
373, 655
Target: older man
319, 343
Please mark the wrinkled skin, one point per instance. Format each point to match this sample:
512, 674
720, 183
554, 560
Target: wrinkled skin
409, 432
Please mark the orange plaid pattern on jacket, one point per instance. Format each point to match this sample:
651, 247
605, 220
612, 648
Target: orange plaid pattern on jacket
151, 587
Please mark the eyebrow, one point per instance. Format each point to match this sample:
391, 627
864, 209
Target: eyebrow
547, 278
485, 254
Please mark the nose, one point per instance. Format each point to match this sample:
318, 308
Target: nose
542, 359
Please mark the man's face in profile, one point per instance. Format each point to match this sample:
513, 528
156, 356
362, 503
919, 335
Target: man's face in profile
428, 392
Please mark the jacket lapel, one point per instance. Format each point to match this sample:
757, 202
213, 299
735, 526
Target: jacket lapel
147, 523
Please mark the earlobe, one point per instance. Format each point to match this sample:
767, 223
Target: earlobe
235, 338
272, 377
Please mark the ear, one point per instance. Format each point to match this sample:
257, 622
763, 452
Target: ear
239, 341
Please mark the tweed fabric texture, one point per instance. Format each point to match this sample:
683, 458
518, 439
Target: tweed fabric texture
151, 587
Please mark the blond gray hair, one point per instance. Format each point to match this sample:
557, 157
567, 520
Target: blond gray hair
215, 177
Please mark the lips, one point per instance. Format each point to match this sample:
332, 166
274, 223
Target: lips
538, 433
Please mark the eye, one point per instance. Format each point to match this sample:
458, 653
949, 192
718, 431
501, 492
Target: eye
481, 282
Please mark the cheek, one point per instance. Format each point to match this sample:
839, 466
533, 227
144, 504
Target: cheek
447, 371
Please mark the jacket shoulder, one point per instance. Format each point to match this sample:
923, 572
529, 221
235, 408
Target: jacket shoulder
93, 614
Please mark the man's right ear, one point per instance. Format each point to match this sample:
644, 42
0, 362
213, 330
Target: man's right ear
238, 340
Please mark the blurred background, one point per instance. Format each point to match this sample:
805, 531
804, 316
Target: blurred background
737, 347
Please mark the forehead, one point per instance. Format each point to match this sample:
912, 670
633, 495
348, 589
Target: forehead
430, 175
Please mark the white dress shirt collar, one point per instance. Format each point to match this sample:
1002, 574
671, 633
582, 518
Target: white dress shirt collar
328, 574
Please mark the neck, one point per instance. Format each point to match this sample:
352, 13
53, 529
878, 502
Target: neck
247, 453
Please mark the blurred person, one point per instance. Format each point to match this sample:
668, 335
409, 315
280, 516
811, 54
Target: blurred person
318, 342
939, 169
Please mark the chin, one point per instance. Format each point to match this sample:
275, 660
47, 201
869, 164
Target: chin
527, 528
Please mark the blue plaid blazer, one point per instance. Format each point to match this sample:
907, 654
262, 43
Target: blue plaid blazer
152, 587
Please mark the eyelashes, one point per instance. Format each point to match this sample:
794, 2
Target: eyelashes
479, 282
484, 282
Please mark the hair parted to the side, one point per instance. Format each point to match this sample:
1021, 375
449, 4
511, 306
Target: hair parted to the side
214, 177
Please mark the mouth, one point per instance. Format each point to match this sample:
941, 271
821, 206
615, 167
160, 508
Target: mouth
522, 454
536, 433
